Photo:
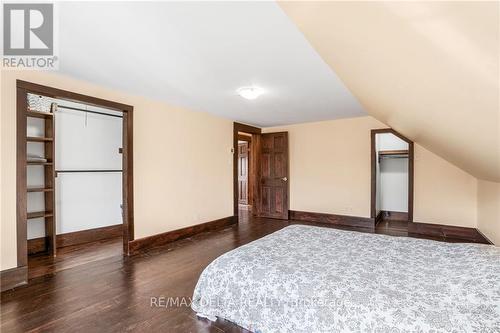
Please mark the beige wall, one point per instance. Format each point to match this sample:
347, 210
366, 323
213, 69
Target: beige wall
182, 161
429, 69
330, 165
488, 211
330, 173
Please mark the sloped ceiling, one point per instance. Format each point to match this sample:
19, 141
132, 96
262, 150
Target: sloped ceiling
428, 69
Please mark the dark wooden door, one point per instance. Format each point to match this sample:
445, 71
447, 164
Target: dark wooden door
274, 189
243, 173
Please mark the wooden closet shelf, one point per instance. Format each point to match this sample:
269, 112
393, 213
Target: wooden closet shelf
39, 163
34, 215
393, 152
38, 114
38, 139
40, 189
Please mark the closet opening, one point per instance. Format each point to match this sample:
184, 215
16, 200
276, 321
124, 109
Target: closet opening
392, 178
74, 183
246, 145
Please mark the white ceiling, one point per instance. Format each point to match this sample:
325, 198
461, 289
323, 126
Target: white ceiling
196, 55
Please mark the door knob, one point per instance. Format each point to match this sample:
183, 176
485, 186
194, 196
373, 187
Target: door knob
284, 179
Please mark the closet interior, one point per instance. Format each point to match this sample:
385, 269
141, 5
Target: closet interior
392, 177
73, 176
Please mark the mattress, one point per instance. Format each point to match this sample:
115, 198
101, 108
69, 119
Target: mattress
313, 279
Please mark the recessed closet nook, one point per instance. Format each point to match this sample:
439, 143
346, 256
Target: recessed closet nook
392, 170
73, 174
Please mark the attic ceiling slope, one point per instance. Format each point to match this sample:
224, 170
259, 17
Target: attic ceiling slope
428, 69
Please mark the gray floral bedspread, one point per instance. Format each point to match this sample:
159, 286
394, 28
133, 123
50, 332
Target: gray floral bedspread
313, 279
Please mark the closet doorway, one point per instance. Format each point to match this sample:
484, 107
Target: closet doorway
391, 177
74, 175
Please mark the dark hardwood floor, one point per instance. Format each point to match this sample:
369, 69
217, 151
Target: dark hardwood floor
93, 288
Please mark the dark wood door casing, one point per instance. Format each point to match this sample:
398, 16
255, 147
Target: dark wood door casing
243, 173
274, 176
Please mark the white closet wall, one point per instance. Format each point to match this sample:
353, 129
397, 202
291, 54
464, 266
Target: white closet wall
84, 141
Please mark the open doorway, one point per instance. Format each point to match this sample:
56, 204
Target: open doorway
74, 184
245, 188
246, 143
392, 178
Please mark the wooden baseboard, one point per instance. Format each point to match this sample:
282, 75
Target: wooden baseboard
352, 221
141, 244
14, 277
447, 231
37, 245
393, 216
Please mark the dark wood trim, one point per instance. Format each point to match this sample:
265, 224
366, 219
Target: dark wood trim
142, 244
23, 88
128, 180
488, 241
14, 277
21, 182
378, 218
393, 216
91, 235
71, 96
37, 245
447, 231
244, 138
374, 162
353, 221
238, 127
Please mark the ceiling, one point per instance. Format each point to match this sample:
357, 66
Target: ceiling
428, 69
196, 54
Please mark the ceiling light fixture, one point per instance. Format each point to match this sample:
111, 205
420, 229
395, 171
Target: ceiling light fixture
250, 92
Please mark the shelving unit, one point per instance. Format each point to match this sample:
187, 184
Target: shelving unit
47, 190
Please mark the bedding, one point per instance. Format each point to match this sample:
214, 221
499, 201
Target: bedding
314, 279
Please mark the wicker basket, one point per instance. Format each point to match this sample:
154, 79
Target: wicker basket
39, 103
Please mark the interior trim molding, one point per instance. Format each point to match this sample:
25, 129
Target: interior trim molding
238, 127
24, 87
14, 277
448, 231
37, 245
393, 216
142, 244
373, 163
352, 221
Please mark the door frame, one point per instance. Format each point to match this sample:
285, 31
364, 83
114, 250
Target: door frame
373, 208
255, 131
248, 141
23, 88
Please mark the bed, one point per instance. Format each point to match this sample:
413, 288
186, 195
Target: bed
314, 279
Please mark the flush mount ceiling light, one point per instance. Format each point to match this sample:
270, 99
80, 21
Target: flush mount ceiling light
250, 92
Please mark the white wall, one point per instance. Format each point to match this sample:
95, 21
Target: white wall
83, 141
392, 175
87, 141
